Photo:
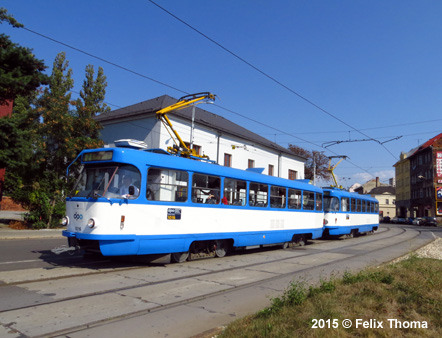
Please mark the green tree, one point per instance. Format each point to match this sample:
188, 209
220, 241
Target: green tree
4, 16
313, 158
90, 104
46, 130
20, 72
56, 134
94, 91
17, 137
43, 184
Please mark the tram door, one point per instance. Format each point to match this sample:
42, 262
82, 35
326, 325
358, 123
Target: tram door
333, 210
345, 211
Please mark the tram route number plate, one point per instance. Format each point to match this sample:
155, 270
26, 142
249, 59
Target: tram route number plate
173, 213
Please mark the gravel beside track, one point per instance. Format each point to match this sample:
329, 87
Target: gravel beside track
432, 250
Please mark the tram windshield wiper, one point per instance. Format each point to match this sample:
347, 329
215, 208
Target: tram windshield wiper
95, 195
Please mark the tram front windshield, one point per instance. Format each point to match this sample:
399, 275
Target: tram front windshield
110, 181
331, 203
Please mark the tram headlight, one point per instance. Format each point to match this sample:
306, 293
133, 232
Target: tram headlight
65, 221
91, 223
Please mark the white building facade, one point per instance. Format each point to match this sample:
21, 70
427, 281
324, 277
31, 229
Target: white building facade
223, 141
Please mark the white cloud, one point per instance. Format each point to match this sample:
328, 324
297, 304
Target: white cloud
363, 177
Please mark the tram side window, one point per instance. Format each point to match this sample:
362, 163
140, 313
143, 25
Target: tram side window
235, 192
167, 185
345, 204
309, 200
377, 208
358, 205
353, 204
364, 206
295, 199
318, 201
258, 195
206, 189
278, 197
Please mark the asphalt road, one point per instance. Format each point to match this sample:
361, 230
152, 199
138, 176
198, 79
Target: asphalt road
17, 254
67, 296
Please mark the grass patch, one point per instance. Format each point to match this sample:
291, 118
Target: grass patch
408, 291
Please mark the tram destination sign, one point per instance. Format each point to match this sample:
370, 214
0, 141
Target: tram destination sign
98, 156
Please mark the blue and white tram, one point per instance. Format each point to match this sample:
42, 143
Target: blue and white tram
347, 213
138, 202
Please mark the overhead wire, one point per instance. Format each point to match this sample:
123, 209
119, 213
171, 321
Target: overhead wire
268, 75
106, 61
161, 83
179, 90
371, 128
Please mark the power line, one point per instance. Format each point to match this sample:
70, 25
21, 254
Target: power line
159, 82
105, 61
179, 90
372, 128
268, 75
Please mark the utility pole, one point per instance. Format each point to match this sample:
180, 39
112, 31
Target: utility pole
314, 170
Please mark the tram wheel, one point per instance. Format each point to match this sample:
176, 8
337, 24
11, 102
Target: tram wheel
179, 257
353, 233
285, 245
299, 240
221, 248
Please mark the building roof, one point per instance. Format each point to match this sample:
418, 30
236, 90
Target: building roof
430, 142
202, 117
414, 151
385, 189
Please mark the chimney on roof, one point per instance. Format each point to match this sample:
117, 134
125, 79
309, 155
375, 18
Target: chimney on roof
377, 182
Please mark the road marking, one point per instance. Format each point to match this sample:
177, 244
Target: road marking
28, 261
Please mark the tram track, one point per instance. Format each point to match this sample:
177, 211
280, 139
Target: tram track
138, 267
195, 275
199, 276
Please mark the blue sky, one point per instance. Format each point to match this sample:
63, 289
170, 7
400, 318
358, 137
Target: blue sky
374, 67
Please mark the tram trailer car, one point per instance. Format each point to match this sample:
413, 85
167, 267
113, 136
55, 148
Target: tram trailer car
347, 213
180, 206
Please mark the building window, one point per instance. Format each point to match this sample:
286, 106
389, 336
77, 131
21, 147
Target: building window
251, 164
293, 174
387, 201
227, 160
271, 169
195, 147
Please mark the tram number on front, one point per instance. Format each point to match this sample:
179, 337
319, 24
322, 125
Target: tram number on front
173, 213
